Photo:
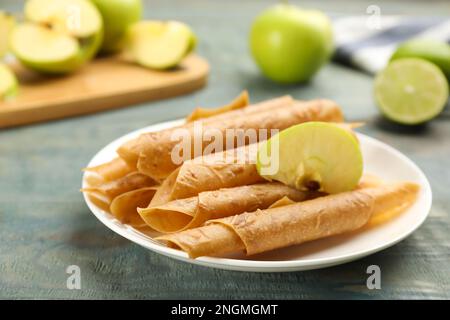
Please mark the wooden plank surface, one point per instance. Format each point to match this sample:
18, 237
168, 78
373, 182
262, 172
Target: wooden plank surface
45, 226
103, 84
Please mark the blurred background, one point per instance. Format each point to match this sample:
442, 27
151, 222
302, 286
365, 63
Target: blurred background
45, 224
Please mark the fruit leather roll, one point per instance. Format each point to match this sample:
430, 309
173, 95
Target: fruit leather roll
155, 157
269, 229
239, 102
227, 169
192, 212
124, 206
111, 170
108, 190
130, 150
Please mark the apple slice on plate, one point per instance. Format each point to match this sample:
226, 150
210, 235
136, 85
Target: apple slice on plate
158, 44
59, 35
313, 155
8, 83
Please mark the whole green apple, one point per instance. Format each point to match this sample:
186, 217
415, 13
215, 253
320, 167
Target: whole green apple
290, 44
117, 16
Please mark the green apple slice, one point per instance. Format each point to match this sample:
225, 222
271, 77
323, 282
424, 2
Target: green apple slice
8, 83
312, 156
7, 23
78, 18
159, 45
43, 48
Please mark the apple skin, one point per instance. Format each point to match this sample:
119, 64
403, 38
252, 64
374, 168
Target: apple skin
117, 16
289, 44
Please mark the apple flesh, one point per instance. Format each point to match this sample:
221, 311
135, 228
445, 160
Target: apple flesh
117, 16
290, 44
59, 35
158, 44
7, 23
8, 83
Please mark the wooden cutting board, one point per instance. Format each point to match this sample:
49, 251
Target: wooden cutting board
105, 83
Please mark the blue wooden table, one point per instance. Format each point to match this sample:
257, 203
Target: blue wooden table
45, 225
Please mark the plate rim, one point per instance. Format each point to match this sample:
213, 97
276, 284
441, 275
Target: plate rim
241, 264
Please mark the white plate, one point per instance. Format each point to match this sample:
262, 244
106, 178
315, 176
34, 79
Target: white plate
380, 159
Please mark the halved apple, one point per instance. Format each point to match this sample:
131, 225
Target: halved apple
7, 23
159, 44
59, 35
8, 83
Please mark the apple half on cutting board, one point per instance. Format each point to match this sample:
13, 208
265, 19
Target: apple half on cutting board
159, 44
59, 36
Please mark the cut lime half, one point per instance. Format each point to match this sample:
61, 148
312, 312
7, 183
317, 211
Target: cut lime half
411, 91
312, 156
